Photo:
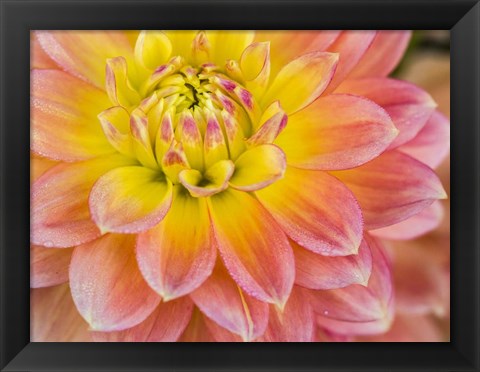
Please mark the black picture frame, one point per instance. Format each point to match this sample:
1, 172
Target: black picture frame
18, 17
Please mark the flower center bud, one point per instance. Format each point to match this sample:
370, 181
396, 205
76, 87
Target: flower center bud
196, 125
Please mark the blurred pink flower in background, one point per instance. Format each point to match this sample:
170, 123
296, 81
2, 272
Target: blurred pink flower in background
232, 186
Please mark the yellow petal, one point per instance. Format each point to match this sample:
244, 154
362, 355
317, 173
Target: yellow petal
258, 167
130, 199
153, 48
229, 44
213, 181
301, 81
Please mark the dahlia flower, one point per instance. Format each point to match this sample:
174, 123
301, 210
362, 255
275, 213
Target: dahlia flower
223, 185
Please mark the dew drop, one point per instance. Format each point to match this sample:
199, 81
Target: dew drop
325, 312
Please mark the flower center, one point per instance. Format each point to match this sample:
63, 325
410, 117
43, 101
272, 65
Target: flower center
196, 125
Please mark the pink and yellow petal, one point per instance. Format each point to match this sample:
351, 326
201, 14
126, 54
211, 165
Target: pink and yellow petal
392, 188
166, 324
409, 106
336, 132
245, 233
48, 266
299, 42
38, 58
315, 210
83, 53
130, 199
224, 302
108, 289
62, 218
177, 255
64, 113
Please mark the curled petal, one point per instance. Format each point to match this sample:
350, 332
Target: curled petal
315, 271
384, 54
83, 53
295, 323
54, 318
119, 88
409, 106
64, 123
165, 324
392, 188
130, 199
223, 301
336, 132
48, 266
255, 67
177, 255
301, 81
356, 308
316, 211
415, 226
107, 286
152, 49
258, 167
214, 180
62, 218
432, 144
245, 234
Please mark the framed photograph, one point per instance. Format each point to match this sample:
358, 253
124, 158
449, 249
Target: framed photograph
240, 185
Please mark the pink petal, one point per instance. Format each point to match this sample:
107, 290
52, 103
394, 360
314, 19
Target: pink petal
410, 328
48, 266
295, 323
38, 57
54, 318
64, 113
178, 254
336, 132
38, 166
392, 188
220, 334
419, 224
130, 199
409, 106
422, 276
107, 286
316, 211
84, 53
253, 247
165, 324
432, 144
315, 271
384, 54
197, 330
356, 308
224, 302
351, 46
59, 203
